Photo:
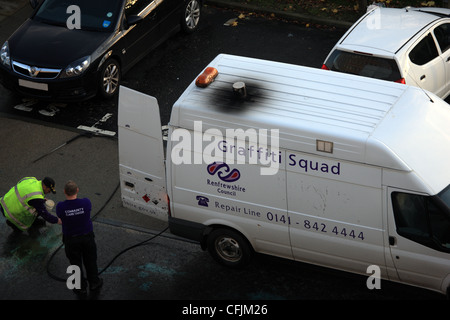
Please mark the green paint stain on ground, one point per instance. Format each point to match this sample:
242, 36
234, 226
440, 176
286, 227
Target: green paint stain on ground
154, 268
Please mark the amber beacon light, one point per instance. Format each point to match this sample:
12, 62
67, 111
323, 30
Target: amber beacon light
207, 77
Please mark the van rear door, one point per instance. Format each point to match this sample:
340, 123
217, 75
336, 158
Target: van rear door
141, 154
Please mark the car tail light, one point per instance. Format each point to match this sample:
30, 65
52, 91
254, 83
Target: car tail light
402, 81
324, 67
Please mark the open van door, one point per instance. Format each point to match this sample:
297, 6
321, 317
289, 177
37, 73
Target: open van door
141, 154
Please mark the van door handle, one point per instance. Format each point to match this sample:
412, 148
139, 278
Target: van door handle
392, 240
129, 184
422, 77
448, 59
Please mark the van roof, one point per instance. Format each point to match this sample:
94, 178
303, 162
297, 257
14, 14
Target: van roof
387, 29
369, 121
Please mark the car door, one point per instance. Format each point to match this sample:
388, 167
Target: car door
442, 36
426, 67
142, 36
170, 14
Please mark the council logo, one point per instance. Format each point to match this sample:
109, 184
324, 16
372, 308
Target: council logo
223, 172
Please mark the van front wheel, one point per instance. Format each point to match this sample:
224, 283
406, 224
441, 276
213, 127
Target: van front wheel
229, 248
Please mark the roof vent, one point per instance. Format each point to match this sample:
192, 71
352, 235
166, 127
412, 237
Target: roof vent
240, 89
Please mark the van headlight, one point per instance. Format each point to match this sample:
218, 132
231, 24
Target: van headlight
77, 67
5, 59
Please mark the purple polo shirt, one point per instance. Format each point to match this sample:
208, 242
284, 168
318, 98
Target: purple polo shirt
75, 216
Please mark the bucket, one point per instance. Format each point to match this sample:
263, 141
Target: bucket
49, 204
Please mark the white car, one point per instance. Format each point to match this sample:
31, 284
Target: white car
409, 45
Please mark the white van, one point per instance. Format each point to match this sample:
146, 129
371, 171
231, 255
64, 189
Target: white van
356, 168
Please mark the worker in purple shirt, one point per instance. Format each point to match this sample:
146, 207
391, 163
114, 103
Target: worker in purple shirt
78, 235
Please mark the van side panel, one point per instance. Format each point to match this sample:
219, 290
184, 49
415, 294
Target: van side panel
233, 195
335, 209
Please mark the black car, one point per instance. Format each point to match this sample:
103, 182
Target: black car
75, 49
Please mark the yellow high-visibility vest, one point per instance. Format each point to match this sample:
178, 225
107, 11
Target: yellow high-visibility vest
15, 202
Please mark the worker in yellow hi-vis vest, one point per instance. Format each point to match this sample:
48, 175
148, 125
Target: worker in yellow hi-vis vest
24, 202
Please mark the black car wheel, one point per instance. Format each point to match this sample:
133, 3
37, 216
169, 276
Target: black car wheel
191, 16
109, 78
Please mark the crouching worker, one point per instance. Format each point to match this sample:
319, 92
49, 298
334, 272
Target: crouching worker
24, 202
78, 236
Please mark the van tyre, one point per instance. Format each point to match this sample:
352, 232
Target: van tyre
191, 16
229, 248
109, 79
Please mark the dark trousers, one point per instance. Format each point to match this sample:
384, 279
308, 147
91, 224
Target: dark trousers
82, 250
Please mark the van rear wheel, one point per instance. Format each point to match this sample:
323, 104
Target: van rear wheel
229, 248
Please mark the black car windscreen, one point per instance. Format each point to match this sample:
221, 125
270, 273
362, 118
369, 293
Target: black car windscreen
98, 15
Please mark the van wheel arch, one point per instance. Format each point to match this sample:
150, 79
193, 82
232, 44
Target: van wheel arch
227, 246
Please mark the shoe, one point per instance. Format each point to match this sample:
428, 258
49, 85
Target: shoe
98, 285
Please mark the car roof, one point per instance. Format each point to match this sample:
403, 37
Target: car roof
388, 29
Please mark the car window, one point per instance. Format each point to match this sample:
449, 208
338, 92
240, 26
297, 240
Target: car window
442, 34
424, 51
134, 7
363, 65
98, 15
